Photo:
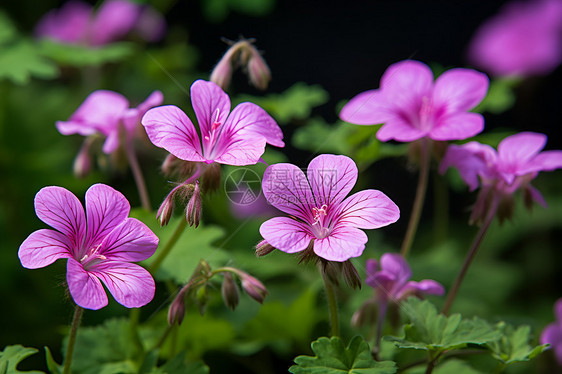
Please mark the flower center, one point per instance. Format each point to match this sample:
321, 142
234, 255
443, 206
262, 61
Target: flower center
211, 137
426, 113
92, 257
318, 228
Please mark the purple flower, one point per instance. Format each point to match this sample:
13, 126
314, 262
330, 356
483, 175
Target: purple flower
552, 333
391, 277
525, 38
412, 106
77, 23
318, 210
99, 245
517, 161
108, 113
234, 138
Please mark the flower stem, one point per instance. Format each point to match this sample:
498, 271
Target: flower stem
332, 305
72, 339
418, 200
380, 322
471, 254
168, 247
137, 174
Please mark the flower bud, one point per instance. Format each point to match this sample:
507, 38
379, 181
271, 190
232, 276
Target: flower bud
176, 167
165, 211
177, 308
351, 275
222, 73
253, 287
83, 163
229, 290
193, 211
258, 71
263, 248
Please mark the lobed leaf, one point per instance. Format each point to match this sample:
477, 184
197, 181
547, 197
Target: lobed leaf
513, 345
12, 355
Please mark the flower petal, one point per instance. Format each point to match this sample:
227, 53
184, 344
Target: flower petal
42, 248
239, 150
286, 234
133, 116
520, 148
471, 160
286, 188
84, 287
395, 264
248, 118
130, 241
60, 209
546, 161
368, 209
459, 90
169, 127
399, 129
113, 20
331, 178
405, 83
69, 24
457, 126
426, 286
130, 284
342, 244
210, 103
106, 208
367, 108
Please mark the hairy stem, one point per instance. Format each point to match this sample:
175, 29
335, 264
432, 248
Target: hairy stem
419, 199
137, 174
332, 305
168, 247
471, 254
440, 208
383, 304
72, 339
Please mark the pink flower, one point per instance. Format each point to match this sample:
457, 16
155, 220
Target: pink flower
552, 333
99, 246
319, 211
108, 113
525, 38
516, 162
77, 23
412, 106
234, 138
391, 277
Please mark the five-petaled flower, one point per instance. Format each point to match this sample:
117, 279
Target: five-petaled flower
391, 279
99, 245
552, 334
108, 113
319, 210
234, 138
412, 106
517, 161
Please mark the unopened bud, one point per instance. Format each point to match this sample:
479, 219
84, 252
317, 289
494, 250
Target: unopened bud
165, 211
351, 275
229, 290
83, 163
263, 248
176, 167
222, 73
253, 287
177, 308
258, 71
193, 211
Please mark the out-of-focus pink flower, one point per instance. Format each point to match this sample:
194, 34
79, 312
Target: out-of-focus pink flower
234, 138
412, 106
552, 333
391, 279
525, 38
319, 211
108, 113
77, 23
99, 246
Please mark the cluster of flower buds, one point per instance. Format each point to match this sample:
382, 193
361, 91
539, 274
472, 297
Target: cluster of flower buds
197, 288
186, 192
244, 55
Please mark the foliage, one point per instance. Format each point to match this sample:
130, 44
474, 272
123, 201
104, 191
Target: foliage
12, 355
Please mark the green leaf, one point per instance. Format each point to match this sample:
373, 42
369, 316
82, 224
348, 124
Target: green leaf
19, 61
7, 29
52, 365
294, 103
513, 345
178, 365
500, 96
332, 139
332, 357
78, 55
436, 332
12, 355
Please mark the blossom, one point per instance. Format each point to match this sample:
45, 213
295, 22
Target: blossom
99, 245
552, 333
412, 106
77, 23
234, 138
517, 161
108, 113
390, 278
525, 38
319, 211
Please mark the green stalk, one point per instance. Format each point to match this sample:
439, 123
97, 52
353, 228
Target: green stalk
168, 247
72, 339
332, 305
418, 200
137, 174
